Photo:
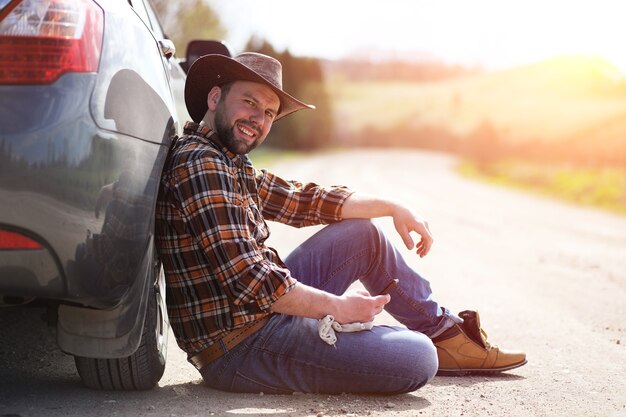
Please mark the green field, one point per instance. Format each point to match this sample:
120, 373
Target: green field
552, 101
571, 107
598, 187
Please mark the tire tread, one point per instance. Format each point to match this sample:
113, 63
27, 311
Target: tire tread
140, 371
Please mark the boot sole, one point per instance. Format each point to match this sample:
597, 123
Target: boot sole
476, 371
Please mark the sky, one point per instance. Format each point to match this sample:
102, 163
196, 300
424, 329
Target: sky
491, 34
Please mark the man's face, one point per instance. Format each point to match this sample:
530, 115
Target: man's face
244, 115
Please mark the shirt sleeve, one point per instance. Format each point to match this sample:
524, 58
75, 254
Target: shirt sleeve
218, 216
298, 204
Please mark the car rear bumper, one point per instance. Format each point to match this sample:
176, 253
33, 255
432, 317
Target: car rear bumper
86, 194
31, 273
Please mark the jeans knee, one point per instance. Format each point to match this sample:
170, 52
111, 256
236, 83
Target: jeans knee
431, 362
413, 365
359, 226
362, 230
423, 365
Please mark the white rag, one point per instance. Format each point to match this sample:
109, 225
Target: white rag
327, 327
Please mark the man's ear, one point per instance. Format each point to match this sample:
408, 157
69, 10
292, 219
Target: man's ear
213, 98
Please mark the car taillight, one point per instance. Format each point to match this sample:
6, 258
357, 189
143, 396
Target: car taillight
42, 40
12, 240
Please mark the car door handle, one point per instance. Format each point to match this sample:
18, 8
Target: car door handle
167, 48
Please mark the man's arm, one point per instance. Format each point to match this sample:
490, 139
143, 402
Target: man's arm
351, 307
357, 306
404, 219
299, 204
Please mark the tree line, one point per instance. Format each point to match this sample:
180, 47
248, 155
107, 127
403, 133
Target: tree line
303, 77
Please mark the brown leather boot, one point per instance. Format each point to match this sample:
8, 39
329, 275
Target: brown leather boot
464, 349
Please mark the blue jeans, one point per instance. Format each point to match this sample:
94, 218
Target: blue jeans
287, 355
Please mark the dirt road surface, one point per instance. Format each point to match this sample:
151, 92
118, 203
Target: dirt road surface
547, 277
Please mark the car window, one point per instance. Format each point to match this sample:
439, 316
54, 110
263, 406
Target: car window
140, 9
154, 20
145, 12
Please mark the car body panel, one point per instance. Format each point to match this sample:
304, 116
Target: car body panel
80, 161
112, 332
131, 60
53, 184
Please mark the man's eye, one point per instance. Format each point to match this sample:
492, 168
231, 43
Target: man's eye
249, 102
270, 114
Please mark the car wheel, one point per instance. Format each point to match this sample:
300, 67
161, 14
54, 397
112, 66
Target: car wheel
144, 368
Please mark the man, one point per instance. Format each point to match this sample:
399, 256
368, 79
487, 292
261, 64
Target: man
250, 322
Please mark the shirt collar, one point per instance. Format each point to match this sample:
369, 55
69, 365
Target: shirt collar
203, 131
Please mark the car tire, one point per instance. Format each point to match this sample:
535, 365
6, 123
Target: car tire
143, 369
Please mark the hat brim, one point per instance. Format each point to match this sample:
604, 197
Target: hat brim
213, 70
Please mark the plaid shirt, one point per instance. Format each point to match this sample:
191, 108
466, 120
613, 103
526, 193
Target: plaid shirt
210, 234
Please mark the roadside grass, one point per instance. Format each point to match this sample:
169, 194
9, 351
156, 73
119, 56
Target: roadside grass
552, 101
267, 156
603, 187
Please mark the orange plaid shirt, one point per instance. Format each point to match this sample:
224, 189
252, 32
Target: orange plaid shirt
211, 233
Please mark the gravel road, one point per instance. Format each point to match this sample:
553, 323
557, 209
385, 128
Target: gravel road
547, 277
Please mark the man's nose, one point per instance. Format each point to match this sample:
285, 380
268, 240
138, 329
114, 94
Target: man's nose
257, 117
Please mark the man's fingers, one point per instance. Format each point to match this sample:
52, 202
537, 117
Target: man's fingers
406, 227
424, 245
382, 299
427, 240
408, 239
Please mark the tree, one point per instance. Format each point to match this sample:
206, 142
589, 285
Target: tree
187, 20
166, 12
304, 79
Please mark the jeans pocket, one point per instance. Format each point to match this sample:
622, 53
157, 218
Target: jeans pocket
245, 383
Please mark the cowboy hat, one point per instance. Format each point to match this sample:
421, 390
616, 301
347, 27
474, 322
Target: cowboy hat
213, 70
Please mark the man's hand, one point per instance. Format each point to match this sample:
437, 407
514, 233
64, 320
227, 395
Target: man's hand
358, 306
406, 221
354, 306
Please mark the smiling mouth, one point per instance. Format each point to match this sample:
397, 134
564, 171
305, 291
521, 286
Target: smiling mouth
247, 131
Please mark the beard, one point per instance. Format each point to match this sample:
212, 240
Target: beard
226, 132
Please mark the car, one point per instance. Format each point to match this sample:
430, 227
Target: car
91, 95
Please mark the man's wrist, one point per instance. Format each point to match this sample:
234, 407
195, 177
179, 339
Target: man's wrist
364, 206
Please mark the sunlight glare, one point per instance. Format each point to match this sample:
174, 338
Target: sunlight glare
489, 33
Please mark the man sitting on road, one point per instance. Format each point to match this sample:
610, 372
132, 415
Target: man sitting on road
250, 322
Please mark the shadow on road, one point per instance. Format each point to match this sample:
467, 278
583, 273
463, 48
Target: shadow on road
469, 380
37, 379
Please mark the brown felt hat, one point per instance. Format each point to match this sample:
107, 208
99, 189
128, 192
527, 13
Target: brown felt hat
213, 70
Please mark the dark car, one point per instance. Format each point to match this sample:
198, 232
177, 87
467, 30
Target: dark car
90, 96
